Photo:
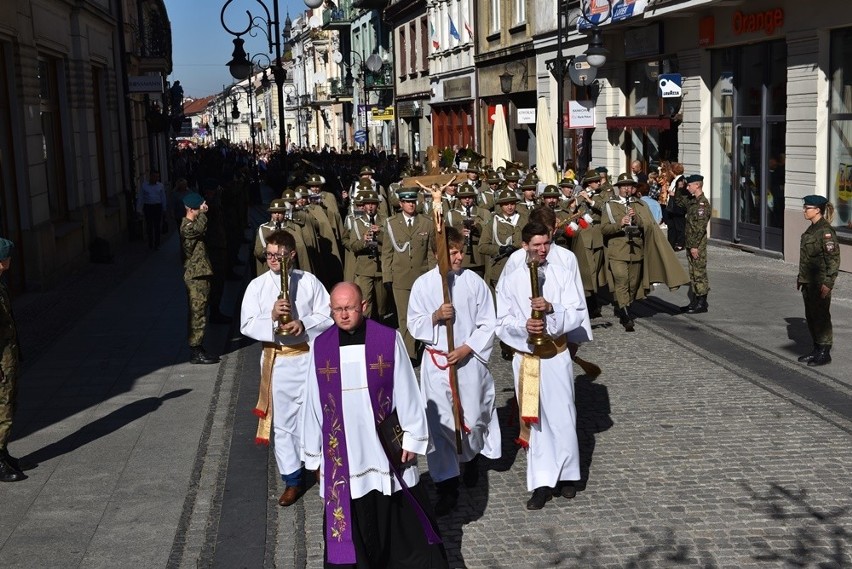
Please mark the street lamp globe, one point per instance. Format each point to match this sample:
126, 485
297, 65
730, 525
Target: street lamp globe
596, 52
313, 4
239, 66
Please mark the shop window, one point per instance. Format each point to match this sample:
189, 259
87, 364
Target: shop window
840, 131
650, 145
51, 136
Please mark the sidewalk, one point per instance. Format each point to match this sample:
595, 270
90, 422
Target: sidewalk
112, 413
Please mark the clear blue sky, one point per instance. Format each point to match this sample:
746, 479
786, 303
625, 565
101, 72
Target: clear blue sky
201, 47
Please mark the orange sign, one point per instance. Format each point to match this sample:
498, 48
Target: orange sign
767, 21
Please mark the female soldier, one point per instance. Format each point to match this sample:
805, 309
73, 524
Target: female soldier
819, 261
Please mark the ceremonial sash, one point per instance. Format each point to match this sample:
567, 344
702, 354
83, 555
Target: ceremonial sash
379, 350
263, 409
529, 387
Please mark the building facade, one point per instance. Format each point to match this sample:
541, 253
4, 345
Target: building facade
79, 128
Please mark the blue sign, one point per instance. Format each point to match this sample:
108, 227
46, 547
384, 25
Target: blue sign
669, 85
360, 136
597, 12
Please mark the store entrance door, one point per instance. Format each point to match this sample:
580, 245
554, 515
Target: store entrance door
758, 182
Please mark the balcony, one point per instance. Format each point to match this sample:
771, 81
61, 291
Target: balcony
338, 89
381, 79
339, 18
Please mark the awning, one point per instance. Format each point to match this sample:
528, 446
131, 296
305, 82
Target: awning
643, 121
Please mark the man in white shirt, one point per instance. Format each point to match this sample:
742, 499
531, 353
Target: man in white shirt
151, 202
544, 382
471, 314
286, 354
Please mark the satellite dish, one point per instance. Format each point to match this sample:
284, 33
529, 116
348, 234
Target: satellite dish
319, 76
315, 21
374, 63
337, 57
313, 4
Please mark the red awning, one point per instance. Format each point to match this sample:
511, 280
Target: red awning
661, 123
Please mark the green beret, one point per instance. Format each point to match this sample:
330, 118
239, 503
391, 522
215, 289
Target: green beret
601, 170
694, 178
814, 200
6, 248
193, 200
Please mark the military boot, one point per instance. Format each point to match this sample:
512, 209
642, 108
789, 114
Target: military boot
810, 356
9, 472
700, 305
625, 319
689, 308
822, 357
199, 356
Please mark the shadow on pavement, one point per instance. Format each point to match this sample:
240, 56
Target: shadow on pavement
593, 416
101, 427
797, 331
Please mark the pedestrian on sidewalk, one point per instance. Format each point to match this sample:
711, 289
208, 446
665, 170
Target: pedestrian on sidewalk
286, 355
819, 263
10, 470
695, 240
196, 275
472, 319
151, 202
377, 514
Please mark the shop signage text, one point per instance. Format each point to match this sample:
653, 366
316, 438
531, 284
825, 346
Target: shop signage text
581, 114
457, 88
767, 21
145, 84
526, 116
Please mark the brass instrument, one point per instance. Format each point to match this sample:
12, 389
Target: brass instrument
543, 345
285, 295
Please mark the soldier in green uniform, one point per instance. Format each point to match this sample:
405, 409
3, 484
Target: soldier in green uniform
529, 200
197, 274
502, 236
603, 174
819, 262
10, 470
469, 219
406, 254
697, 216
363, 238
623, 228
329, 229
487, 194
591, 200
283, 216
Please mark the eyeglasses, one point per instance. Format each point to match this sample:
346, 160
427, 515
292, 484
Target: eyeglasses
342, 309
269, 255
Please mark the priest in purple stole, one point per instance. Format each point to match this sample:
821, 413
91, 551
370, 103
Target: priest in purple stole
359, 374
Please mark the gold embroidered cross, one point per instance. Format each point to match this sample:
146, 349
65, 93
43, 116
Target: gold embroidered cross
328, 371
380, 365
398, 433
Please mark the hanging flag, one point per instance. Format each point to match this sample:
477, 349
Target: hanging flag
453, 31
435, 43
468, 28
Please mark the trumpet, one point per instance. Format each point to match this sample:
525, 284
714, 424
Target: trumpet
285, 295
543, 345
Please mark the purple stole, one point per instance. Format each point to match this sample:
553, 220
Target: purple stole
379, 348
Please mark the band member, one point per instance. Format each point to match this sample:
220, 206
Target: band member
406, 255
544, 386
329, 233
529, 187
471, 315
283, 216
488, 194
469, 220
502, 236
364, 239
284, 362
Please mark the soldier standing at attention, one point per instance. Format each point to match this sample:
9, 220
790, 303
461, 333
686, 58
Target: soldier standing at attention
10, 470
406, 255
197, 274
819, 262
697, 217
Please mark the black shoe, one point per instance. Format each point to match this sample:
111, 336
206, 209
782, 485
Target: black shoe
625, 319
822, 358
446, 503
810, 356
540, 497
691, 306
471, 472
9, 473
199, 356
593, 306
700, 306
566, 490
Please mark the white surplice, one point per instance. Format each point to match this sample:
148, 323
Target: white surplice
553, 453
368, 464
310, 304
474, 325
557, 256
